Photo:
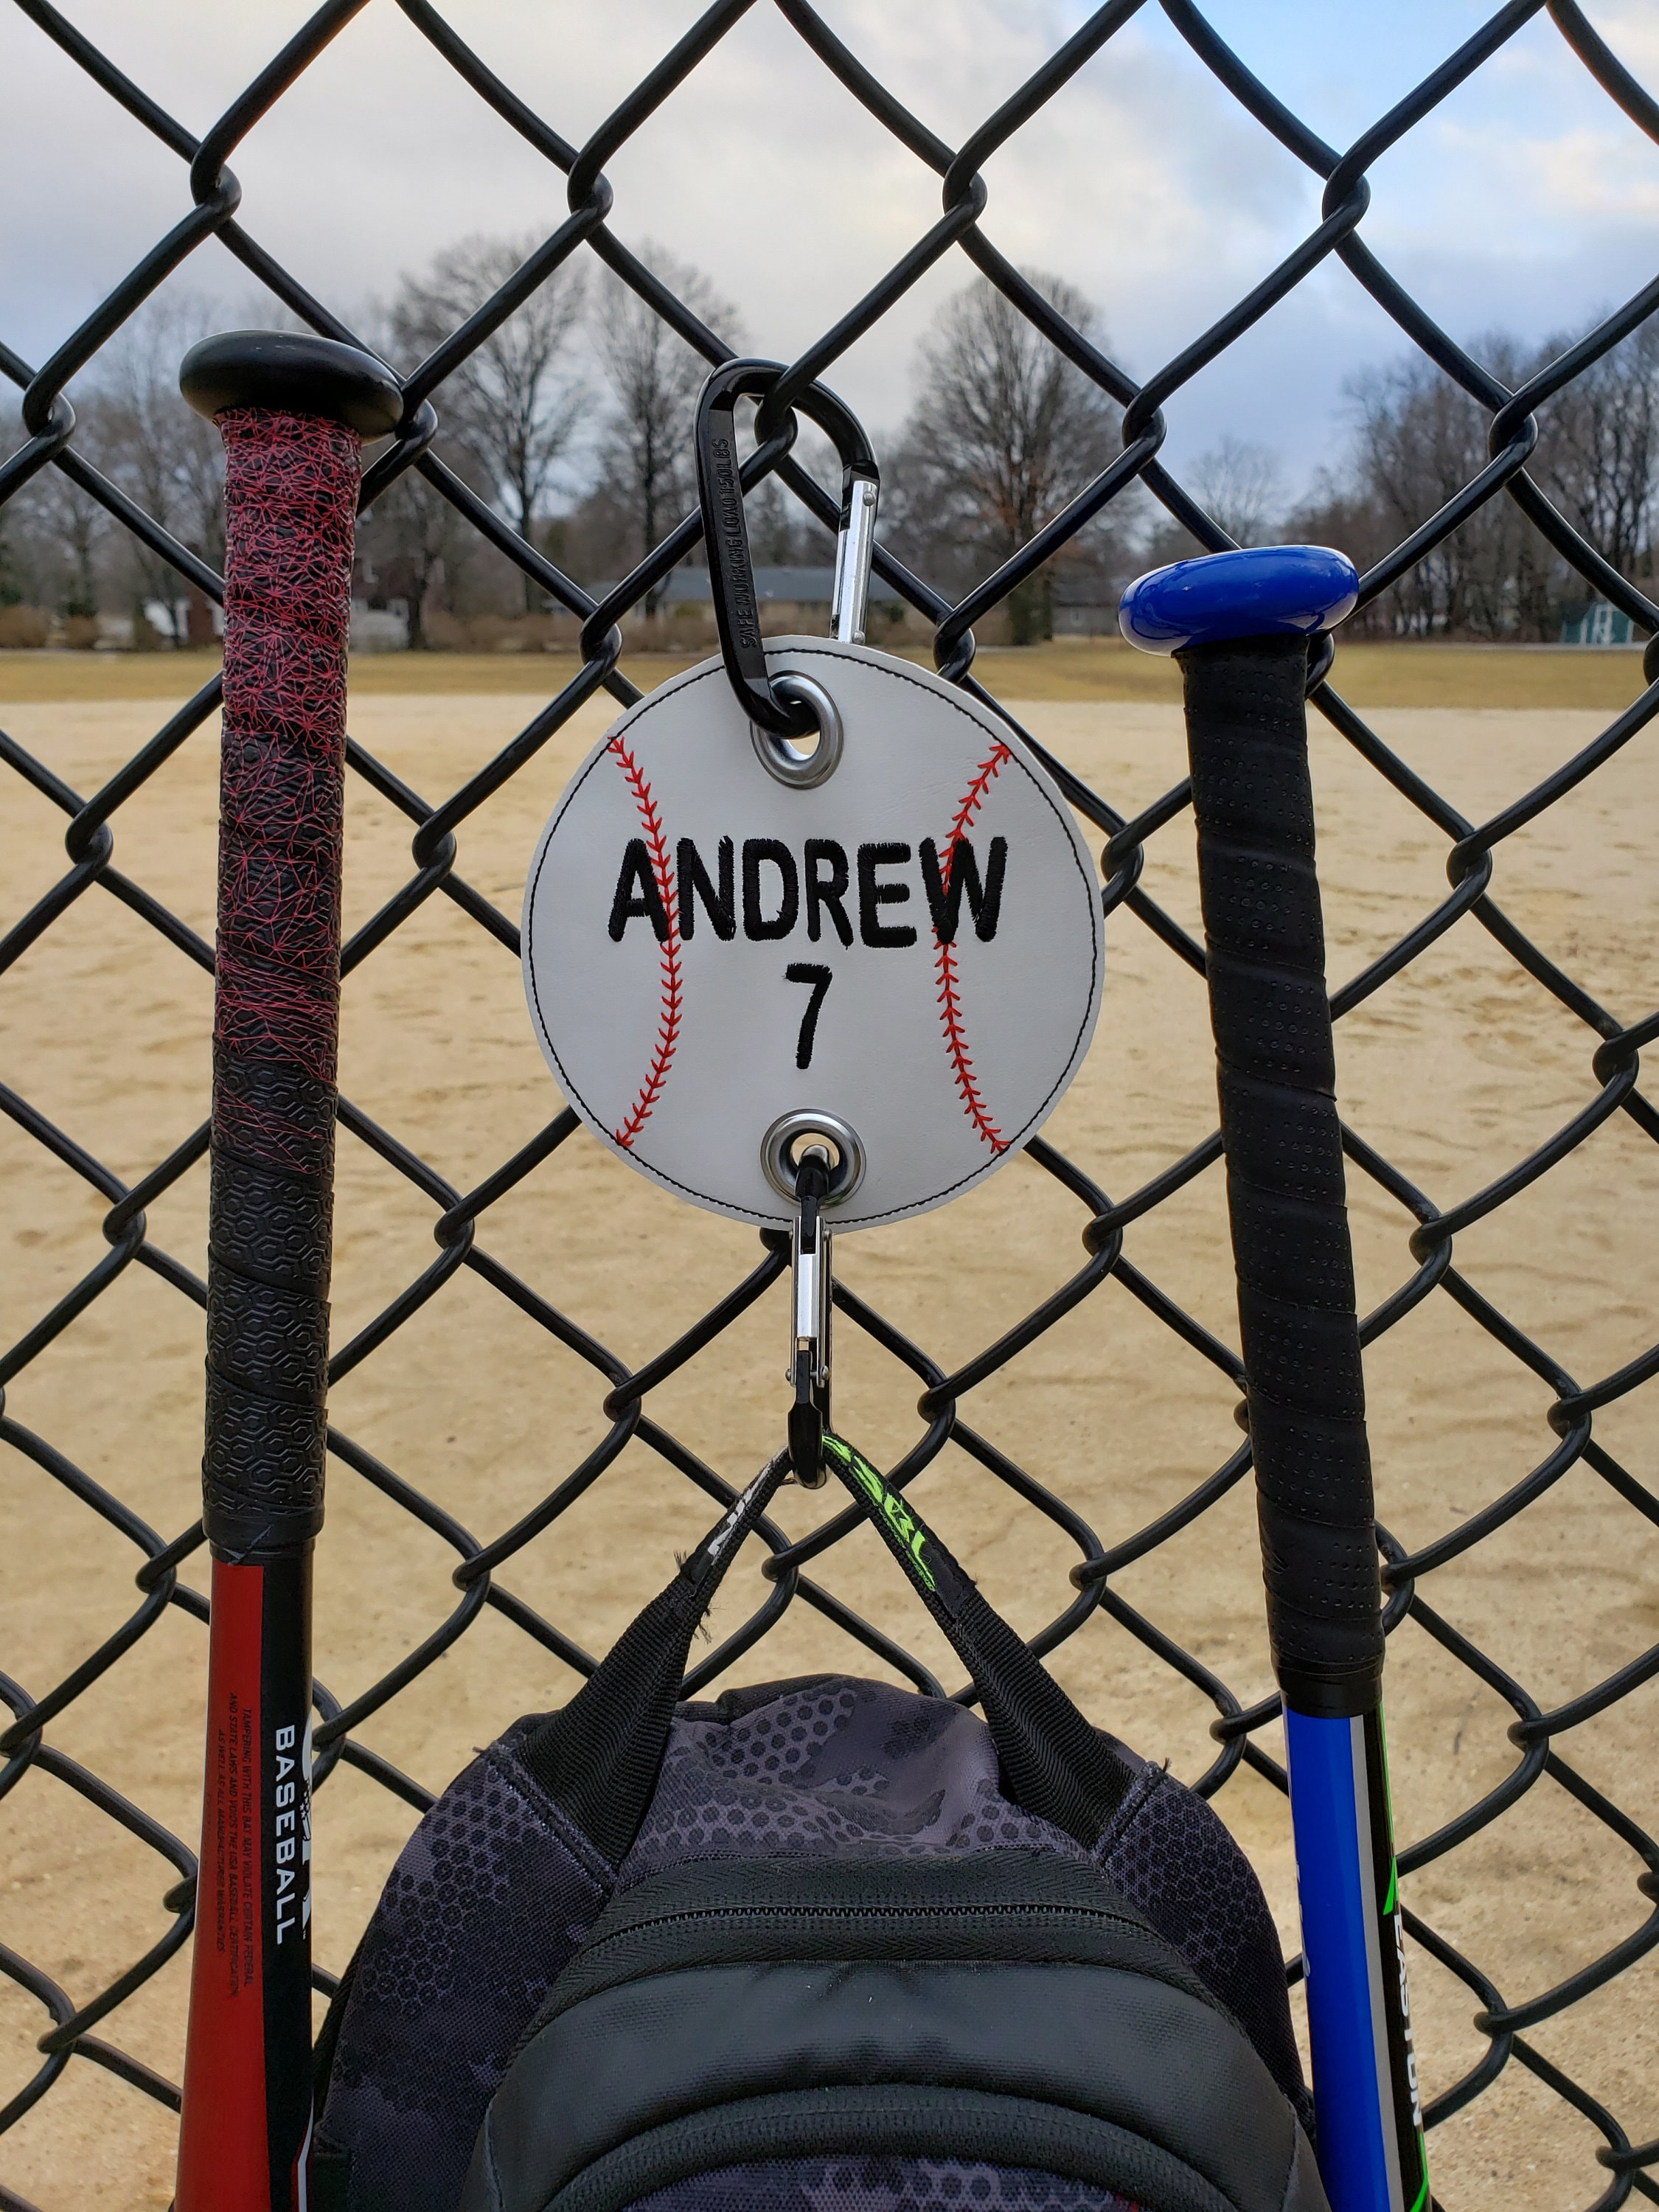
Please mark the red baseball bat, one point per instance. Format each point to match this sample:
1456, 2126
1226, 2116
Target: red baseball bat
293, 411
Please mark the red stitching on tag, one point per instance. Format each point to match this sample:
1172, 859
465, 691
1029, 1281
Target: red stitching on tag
668, 1028
949, 1007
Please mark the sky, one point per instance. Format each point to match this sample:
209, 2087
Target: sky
1527, 201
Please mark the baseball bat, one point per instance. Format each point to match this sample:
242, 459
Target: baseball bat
1238, 623
291, 411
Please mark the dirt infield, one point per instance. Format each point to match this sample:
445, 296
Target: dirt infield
1455, 1070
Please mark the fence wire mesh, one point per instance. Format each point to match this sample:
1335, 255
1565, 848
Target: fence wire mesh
1587, 1938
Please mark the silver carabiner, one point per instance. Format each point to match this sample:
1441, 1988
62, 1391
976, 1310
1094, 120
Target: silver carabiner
813, 1160
855, 549
810, 1246
809, 1342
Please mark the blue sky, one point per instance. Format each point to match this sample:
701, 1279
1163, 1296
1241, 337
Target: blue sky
1527, 201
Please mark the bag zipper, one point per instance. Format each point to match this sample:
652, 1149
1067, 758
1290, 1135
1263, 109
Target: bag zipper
753, 1915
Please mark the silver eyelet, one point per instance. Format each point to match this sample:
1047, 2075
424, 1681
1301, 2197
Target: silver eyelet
778, 757
778, 1149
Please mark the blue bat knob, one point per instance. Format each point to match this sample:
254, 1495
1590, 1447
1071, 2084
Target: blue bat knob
1260, 590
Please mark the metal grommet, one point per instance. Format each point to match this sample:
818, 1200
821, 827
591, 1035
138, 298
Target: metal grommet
778, 757
778, 1153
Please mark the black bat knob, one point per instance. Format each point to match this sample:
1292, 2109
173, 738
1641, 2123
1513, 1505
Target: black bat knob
295, 373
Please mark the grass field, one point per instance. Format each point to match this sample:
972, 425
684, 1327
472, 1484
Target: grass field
1087, 669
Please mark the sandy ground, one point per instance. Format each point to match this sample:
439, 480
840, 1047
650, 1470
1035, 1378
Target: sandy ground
1065, 668
1455, 1070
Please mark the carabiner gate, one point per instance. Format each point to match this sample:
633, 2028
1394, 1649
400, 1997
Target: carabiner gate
810, 1306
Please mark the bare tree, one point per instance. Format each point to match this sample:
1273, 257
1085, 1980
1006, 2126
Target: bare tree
1598, 458
517, 401
54, 537
65, 533
1005, 433
16, 563
1241, 486
645, 453
782, 535
12, 590
1338, 511
402, 542
1419, 440
162, 454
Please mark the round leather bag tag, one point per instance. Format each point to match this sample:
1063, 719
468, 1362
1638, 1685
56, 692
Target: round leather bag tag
896, 937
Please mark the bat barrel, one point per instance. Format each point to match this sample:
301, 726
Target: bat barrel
1239, 624
291, 411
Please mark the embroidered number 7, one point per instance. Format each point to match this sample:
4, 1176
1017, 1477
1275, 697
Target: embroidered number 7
808, 971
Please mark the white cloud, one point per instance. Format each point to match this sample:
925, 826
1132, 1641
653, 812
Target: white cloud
1588, 172
760, 166
1630, 29
1142, 182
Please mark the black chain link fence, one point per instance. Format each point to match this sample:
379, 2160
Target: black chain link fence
74, 2035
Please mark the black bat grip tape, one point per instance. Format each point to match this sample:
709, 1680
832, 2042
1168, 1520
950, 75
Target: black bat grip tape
1253, 801
290, 495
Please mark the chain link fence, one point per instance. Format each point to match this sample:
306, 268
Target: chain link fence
1559, 1753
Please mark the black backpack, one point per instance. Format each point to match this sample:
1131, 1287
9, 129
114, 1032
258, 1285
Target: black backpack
822, 1945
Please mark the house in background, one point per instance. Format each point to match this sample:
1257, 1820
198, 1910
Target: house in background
1597, 624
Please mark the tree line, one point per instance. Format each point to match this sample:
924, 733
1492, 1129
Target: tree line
572, 422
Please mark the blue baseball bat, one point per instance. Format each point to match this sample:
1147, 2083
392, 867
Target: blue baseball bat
1239, 625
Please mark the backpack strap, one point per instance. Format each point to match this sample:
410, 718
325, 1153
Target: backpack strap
598, 1757
1054, 1763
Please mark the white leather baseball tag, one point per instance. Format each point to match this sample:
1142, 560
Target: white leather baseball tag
912, 943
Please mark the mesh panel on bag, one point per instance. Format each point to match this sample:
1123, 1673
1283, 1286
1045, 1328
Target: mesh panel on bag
1171, 1857
836, 1769
488, 1899
881, 2184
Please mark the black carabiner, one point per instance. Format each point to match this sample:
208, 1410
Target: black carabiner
720, 491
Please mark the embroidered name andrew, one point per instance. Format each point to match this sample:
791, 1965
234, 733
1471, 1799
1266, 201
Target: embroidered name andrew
763, 888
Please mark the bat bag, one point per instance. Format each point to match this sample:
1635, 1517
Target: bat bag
819, 1946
